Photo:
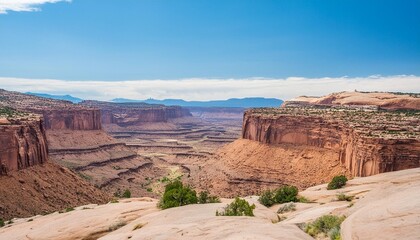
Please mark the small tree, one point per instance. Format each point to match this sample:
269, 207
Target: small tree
239, 207
176, 194
286, 194
1, 222
337, 182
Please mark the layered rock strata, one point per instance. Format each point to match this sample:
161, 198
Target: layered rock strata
58, 114
367, 143
125, 114
22, 144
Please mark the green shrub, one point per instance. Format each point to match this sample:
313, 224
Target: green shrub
267, 198
325, 225
281, 195
69, 209
176, 194
1, 222
205, 197
287, 208
239, 207
126, 194
337, 182
286, 194
344, 197
302, 199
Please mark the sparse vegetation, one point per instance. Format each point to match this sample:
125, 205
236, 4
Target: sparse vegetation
126, 194
337, 182
69, 209
116, 226
1, 222
344, 197
205, 197
84, 176
303, 199
9, 112
239, 207
176, 194
287, 208
281, 195
138, 226
327, 225
267, 198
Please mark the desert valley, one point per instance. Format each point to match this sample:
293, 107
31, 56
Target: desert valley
97, 170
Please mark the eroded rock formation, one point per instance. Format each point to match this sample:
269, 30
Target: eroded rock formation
125, 114
366, 144
368, 100
22, 144
58, 114
75, 119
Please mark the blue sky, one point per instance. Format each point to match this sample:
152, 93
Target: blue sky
116, 40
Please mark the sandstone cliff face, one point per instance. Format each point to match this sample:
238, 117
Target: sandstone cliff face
22, 144
73, 119
135, 116
362, 156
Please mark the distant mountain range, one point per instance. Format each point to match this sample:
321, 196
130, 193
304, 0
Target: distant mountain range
251, 102
58, 97
233, 102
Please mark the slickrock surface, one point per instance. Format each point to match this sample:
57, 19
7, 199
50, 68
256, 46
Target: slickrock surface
126, 114
43, 189
383, 100
22, 141
367, 142
385, 206
58, 114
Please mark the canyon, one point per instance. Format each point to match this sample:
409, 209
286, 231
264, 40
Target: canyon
61, 155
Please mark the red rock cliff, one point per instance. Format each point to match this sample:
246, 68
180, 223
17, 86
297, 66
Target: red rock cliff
73, 119
362, 155
22, 144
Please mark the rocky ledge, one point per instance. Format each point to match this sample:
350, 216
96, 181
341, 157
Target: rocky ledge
367, 142
58, 114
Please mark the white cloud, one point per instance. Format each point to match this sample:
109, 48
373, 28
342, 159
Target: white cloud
24, 5
212, 89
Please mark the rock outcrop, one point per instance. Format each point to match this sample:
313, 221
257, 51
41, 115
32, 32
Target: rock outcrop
58, 114
74, 119
366, 142
381, 100
125, 114
22, 144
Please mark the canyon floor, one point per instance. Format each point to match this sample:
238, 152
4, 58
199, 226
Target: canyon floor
389, 199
